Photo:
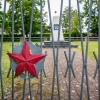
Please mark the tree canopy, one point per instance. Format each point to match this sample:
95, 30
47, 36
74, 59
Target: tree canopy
74, 21
27, 10
1, 15
94, 17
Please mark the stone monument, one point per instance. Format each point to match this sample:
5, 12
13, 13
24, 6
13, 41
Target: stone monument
56, 26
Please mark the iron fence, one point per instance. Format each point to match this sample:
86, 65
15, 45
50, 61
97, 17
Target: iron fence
69, 57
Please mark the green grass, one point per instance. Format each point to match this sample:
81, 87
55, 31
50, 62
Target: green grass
6, 64
93, 46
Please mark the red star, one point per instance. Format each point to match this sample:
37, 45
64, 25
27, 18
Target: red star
26, 61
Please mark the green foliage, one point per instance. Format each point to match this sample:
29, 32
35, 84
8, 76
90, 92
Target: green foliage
36, 37
74, 21
0, 5
47, 29
94, 17
1, 13
27, 10
66, 35
46, 35
84, 34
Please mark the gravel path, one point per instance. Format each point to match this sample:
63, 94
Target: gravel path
75, 82
47, 82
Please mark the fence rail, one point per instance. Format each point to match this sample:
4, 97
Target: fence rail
84, 38
36, 39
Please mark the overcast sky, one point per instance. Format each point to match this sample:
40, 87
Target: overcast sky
7, 6
55, 5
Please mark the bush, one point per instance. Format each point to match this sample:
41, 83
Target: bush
46, 35
35, 35
84, 34
66, 35
9, 35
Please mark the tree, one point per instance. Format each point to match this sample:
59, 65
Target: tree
27, 9
74, 22
0, 5
94, 17
1, 13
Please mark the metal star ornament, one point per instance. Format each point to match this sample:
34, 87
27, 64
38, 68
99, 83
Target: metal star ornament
25, 60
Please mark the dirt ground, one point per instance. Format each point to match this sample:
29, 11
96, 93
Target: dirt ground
47, 82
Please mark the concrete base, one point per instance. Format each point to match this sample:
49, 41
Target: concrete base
62, 44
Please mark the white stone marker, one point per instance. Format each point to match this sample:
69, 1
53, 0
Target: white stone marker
55, 23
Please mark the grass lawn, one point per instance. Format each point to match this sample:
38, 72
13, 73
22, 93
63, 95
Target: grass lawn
6, 64
93, 46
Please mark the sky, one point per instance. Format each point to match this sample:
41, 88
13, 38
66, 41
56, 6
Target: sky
7, 6
55, 5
